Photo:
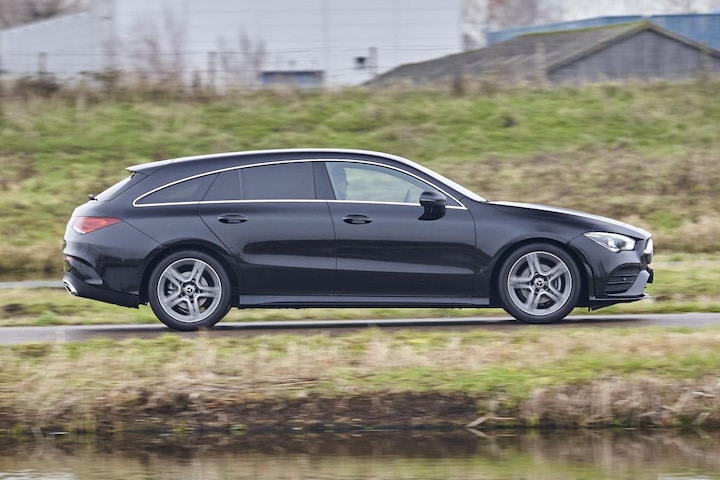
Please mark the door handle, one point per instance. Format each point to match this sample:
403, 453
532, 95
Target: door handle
356, 219
232, 218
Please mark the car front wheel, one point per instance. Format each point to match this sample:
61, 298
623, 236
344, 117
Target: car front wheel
189, 290
539, 283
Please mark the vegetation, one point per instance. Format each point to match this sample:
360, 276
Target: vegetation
482, 378
644, 153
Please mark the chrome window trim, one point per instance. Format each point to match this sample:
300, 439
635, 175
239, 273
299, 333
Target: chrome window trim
401, 204
316, 200
135, 203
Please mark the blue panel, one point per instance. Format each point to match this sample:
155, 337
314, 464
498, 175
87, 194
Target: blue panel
502, 35
301, 79
702, 28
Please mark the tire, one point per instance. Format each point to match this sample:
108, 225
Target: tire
539, 283
189, 290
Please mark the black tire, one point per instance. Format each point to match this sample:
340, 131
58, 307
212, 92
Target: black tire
539, 283
189, 290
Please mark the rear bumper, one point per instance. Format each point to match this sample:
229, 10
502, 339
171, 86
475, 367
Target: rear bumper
79, 288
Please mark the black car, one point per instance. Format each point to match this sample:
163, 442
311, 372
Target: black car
196, 236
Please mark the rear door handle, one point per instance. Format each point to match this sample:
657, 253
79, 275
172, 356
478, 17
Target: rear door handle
355, 219
232, 218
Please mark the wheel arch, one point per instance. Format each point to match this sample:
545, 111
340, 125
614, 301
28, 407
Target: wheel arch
580, 263
221, 256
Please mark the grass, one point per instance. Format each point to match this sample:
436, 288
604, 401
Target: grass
644, 153
683, 283
535, 376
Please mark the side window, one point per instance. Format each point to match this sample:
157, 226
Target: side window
284, 181
192, 190
372, 183
225, 187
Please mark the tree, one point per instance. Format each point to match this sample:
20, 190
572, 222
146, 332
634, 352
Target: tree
502, 14
242, 65
158, 50
18, 12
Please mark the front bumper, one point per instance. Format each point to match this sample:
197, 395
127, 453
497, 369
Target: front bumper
615, 277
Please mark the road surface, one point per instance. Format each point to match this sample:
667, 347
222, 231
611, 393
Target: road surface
14, 335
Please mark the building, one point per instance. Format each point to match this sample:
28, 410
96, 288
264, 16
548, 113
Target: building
230, 42
498, 20
702, 28
638, 50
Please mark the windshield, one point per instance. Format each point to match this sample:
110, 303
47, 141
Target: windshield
455, 186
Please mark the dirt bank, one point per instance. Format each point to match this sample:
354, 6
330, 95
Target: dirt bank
605, 403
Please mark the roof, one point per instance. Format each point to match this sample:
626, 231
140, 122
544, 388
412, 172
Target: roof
522, 57
306, 153
700, 27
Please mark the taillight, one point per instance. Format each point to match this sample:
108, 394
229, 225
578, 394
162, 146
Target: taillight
83, 225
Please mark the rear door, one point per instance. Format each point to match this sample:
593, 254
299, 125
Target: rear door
279, 234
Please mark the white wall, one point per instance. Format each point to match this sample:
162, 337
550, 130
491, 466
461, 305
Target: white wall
71, 44
324, 35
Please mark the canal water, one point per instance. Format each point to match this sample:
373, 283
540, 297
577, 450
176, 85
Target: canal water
463, 454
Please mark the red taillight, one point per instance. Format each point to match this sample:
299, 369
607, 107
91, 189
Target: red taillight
83, 225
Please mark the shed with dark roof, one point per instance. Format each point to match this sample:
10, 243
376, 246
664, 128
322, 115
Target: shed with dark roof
638, 50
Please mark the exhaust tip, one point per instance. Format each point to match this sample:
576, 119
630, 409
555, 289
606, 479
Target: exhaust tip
70, 288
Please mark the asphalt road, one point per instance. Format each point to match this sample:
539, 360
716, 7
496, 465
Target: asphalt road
14, 335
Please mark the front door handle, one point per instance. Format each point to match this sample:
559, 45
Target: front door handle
355, 219
232, 218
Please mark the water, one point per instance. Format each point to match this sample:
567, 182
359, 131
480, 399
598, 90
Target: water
373, 455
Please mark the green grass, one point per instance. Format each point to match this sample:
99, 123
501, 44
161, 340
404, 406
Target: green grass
644, 153
638, 371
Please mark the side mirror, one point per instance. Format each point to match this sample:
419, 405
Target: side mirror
431, 198
434, 204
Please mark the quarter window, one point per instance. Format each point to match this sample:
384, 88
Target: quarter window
191, 190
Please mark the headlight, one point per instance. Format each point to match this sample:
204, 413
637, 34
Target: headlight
612, 241
649, 247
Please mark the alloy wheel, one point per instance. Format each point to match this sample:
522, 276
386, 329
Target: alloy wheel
189, 290
539, 283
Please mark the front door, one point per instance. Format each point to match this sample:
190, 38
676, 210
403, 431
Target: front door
384, 248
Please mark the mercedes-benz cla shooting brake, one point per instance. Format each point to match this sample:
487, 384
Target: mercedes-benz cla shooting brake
196, 236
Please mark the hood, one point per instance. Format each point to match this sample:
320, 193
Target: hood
594, 222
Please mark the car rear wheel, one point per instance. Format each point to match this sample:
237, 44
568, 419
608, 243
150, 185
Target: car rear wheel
189, 290
539, 283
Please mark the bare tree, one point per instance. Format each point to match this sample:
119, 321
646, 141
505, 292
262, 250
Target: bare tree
474, 17
242, 64
503, 14
157, 50
18, 12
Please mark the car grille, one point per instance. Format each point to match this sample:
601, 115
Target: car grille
621, 280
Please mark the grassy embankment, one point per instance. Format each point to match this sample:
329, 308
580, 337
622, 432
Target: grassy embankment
484, 378
643, 153
646, 154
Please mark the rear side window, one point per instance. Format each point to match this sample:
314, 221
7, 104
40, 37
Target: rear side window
192, 190
284, 181
115, 189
